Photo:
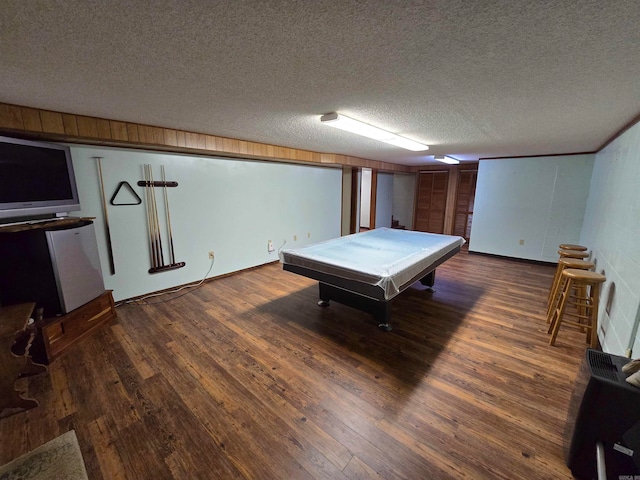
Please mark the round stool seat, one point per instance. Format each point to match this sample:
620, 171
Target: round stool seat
572, 254
569, 246
585, 276
568, 262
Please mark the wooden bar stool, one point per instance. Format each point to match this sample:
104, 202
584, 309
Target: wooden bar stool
572, 254
569, 246
587, 304
563, 264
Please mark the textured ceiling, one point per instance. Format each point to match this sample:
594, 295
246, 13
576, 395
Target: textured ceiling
470, 78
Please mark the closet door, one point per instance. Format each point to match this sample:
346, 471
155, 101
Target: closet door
465, 197
432, 200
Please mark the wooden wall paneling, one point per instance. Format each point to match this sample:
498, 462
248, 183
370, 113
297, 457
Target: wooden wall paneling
191, 140
104, 129
229, 145
210, 142
423, 201
62, 126
355, 193
70, 123
465, 199
270, 150
152, 135
374, 195
31, 119
281, 152
119, 131
202, 141
132, 133
52, 122
170, 137
11, 117
181, 138
449, 210
439, 202
157, 136
87, 126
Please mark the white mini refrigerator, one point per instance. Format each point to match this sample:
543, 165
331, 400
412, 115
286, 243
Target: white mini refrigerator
76, 266
56, 268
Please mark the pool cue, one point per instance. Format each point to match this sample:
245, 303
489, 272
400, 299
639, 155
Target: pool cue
156, 220
166, 207
149, 220
112, 265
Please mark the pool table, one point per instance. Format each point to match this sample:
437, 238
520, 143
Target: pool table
367, 270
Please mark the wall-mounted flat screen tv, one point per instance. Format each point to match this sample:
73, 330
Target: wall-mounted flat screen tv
36, 179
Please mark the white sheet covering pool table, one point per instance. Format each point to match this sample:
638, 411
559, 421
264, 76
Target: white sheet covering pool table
384, 257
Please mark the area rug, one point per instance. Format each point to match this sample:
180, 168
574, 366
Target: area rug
58, 459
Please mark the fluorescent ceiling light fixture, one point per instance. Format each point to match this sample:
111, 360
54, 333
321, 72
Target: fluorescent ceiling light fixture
354, 126
446, 159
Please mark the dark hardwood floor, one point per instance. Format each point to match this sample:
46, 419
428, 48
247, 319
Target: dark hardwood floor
247, 378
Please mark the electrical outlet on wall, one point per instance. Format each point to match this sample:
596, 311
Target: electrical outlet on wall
270, 246
211, 256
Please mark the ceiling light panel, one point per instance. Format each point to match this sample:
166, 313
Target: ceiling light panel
446, 159
364, 129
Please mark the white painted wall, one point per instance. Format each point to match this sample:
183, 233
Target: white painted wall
384, 199
232, 207
612, 230
365, 197
404, 192
538, 200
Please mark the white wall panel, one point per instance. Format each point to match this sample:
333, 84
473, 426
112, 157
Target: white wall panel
404, 193
612, 230
526, 207
365, 197
232, 207
384, 200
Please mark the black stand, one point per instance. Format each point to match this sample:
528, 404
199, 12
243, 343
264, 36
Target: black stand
380, 309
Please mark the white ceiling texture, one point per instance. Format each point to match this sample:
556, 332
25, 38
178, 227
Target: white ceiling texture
472, 79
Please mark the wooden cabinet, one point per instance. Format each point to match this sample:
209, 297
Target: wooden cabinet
58, 334
445, 199
431, 201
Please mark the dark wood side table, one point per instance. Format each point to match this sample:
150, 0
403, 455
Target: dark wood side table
15, 342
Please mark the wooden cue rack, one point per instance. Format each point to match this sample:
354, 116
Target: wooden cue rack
155, 239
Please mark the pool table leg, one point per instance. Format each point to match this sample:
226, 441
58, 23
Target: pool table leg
325, 295
382, 314
380, 310
428, 280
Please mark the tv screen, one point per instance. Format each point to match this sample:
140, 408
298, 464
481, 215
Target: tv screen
36, 179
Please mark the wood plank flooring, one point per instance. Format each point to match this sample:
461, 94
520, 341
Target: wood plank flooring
246, 377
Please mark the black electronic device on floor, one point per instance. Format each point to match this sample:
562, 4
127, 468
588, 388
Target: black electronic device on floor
604, 410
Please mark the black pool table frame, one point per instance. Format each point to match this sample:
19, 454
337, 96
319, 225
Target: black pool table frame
362, 296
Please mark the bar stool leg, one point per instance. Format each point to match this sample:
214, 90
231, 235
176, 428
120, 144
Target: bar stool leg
553, 291
555, 300
556, 319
